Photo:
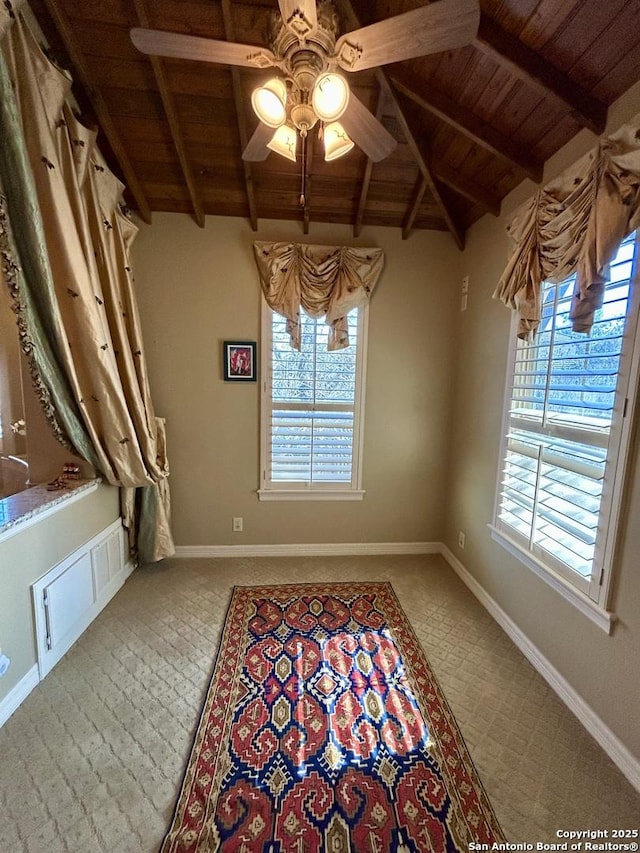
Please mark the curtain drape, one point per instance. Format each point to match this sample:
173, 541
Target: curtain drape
70, 278
574, 225
323, 280
34, 306
7, 15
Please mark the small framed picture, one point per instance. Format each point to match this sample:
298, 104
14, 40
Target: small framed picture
239, 360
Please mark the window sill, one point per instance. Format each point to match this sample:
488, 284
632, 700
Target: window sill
308, 495
604, 619
23, 509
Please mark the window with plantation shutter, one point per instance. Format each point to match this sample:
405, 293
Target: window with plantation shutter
567, 433
311, 411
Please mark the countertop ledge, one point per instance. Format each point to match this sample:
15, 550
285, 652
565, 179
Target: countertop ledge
27, 507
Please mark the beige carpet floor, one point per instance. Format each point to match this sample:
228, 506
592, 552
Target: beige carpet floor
93, 759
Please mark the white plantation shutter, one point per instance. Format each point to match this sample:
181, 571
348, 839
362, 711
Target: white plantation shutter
311, 409
564, 431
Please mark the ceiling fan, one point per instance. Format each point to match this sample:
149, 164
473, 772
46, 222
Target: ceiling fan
305, 48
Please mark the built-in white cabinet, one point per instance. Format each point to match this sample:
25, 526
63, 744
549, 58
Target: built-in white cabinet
69, 596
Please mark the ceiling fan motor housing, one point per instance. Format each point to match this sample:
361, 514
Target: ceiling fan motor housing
303, 58
284, 39
305, 66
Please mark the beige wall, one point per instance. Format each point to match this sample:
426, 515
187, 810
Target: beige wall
198, 287
603, 669
27, 555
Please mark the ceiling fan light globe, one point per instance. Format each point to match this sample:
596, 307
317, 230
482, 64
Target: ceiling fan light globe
337, 141
284, 142
330, 96
269, 102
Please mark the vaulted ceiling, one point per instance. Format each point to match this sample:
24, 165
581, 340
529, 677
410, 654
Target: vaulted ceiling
470, 123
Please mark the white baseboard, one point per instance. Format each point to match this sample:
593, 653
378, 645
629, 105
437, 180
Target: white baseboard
333, 549
18, 694
615, 749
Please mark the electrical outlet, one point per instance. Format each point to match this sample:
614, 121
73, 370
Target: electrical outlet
461, 539
465, 284
237, 525
463, 302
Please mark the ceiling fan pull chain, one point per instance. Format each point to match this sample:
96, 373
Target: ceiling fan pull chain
303, 134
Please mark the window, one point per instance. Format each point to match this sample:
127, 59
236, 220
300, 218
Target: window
312, 403
567, 434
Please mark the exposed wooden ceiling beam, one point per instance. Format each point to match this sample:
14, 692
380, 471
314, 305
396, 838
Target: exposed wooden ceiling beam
535, 70
418, 148
410, 217
362, 203
471, 190
98, 105
470, 125
462, 185
366, 179
172, 119
238, 97
244, 138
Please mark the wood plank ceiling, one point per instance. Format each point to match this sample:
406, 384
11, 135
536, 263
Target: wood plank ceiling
470, 123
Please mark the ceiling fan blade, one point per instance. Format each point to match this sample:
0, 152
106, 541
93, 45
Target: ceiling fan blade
299, 16
256, 149
366, 131
178, 46
440, 26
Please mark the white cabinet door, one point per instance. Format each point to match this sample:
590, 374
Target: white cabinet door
100, 561
69, 597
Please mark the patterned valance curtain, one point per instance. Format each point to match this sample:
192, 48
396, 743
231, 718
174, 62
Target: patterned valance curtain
574, 225
323, 280
65, 255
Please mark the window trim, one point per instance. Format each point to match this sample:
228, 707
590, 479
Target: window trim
290, 491
602, 617
308, 494
595, 602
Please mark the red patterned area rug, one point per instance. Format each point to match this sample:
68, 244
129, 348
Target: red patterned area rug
324, 729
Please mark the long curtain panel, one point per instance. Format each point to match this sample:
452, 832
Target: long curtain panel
70, 279
40, 335
325, 281
574, 225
